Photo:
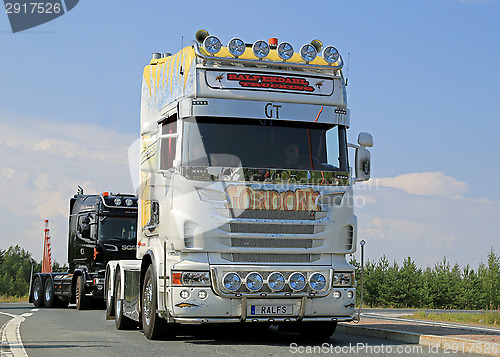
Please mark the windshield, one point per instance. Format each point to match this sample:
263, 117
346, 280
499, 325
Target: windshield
264, 144
117, 228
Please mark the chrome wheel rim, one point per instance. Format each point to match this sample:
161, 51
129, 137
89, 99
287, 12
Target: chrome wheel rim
36, 292
147, 301
118, 306
48, 291
77, 295
108, 294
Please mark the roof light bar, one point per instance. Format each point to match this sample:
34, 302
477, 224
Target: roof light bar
212, 44
308, 52
260, 49
285, 51
236, 47
331, 55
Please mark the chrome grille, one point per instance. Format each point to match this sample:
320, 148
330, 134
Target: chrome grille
270, 258
271, 228
268, 214
271, 243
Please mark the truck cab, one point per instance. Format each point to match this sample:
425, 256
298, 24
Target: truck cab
246, 199
101, 228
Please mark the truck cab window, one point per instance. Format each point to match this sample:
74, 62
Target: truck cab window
84, 226
246, 142
118, 228
168, 145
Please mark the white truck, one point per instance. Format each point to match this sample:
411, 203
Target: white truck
246, 195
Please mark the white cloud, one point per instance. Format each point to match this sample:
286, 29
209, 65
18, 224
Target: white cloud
426, 184
425, 223
41, 164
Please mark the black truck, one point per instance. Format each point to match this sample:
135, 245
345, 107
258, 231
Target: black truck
101, 228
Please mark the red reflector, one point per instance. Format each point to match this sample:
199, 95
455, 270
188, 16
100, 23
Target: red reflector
176, 279
105, 194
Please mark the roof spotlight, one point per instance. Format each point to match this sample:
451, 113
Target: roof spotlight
236, 47
308, 52
260, 49
331, 55
285, 51
212, 44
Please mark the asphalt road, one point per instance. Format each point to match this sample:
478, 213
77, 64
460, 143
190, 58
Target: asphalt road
63, 332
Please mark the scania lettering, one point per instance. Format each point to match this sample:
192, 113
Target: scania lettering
246, 195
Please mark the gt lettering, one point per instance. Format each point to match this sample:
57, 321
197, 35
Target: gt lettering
269, 110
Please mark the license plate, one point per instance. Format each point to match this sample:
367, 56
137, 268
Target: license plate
271, 310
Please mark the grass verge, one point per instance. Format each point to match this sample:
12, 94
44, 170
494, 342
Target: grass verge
4, 298
488, 318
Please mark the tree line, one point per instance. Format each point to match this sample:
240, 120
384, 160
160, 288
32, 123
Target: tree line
444, 286
15, 271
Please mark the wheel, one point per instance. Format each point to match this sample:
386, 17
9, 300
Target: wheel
122, 322
48, 293
37, 292
81, 300
110, 304
154, 326
317, 331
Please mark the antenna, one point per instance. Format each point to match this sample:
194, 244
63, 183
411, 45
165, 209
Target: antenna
347, 68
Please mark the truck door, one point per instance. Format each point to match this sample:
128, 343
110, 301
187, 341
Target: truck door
85, 241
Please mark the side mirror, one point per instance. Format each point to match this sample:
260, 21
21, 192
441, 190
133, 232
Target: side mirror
362, 164
365, 139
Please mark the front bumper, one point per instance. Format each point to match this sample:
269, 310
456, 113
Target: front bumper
217, 309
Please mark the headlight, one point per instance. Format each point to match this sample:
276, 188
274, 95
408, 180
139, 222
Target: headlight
260, 49
211, 195
129, 202
308, 52
337, 294
236, 47
297, 281
317, 281
254, 281
285, 51
191, 278
330, 54
231, 281
276, 281
343, 279
118, 201
212, 44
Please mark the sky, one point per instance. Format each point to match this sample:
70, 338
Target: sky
422, 79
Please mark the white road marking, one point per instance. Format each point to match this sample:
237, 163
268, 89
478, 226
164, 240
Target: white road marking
35, 310
27, 314
11, 337
434, 323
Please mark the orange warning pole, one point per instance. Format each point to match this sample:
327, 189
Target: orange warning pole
47, 255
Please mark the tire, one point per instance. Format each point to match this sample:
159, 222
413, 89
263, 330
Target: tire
122, 322
37, 292
48, 293
317, 331
110, 303
82, 301
155, 327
